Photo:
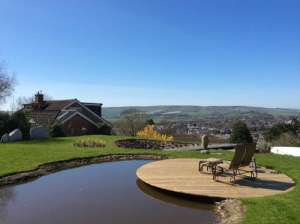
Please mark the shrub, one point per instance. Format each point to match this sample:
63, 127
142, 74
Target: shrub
278, 129
104, 129
287, 139
57, 131
149, 133
18, 120
240, 133
89, 143
4, 119
150, 122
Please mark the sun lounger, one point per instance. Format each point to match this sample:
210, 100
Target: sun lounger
241, 163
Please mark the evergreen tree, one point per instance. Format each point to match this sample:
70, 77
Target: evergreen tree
150, 122
240, 133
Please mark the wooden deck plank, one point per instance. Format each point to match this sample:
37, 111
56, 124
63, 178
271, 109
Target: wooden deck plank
182, 176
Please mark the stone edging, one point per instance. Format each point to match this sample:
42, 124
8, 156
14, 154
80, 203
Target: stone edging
228, 211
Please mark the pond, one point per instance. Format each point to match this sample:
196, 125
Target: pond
101, 193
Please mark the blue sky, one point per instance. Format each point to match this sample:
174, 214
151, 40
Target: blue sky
154, 52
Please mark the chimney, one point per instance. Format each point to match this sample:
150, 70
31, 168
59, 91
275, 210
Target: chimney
39, 98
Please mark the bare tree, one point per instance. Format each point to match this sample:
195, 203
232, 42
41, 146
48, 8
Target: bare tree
27, 100
7, 83
131, 123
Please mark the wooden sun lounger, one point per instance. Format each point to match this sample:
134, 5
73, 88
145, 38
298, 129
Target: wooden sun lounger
248, 164
241, 163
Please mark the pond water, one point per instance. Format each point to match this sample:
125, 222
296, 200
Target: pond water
101, 193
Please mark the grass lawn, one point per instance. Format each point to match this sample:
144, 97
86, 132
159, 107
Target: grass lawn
285, 208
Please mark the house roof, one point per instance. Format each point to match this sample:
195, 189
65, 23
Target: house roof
51, 105
64, 115
58, 111
67, 115
58, 104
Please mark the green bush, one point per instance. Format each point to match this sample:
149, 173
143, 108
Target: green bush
278, 129
4, 119
150, 122
104, 129
57, 131
240, 133
18, 120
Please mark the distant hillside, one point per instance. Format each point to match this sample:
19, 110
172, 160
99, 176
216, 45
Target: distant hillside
199, 112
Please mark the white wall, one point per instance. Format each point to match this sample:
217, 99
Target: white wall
293, 151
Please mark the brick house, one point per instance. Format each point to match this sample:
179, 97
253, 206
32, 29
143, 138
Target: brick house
75, 117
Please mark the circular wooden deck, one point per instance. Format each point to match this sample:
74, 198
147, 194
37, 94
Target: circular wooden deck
182, 176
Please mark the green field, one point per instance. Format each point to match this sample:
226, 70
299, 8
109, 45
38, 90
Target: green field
15, 157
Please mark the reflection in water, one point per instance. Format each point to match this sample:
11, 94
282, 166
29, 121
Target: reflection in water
6, 195
173, 199
101, 193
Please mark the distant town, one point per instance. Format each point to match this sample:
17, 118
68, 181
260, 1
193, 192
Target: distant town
191, 122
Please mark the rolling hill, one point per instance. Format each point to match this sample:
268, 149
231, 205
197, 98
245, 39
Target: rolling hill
199, 112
